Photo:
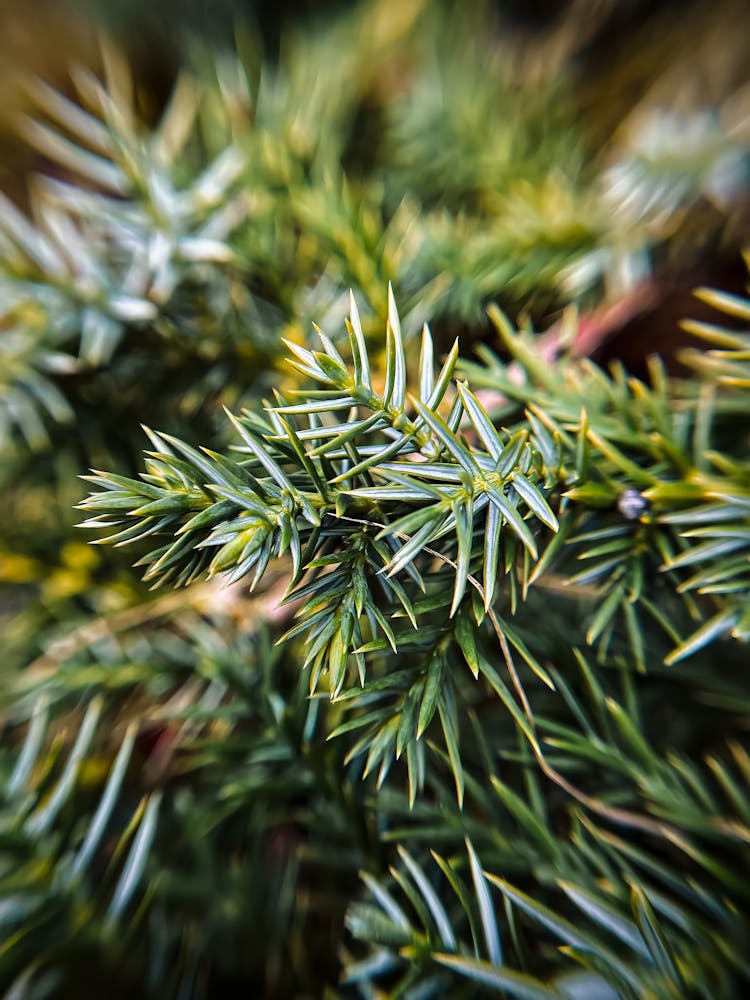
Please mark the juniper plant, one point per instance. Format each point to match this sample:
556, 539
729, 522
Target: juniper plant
432, 553
444, 690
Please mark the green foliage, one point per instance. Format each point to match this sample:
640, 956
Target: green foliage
448, 693
124, 247
268, 187
351, 467
392, 514
106, 861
